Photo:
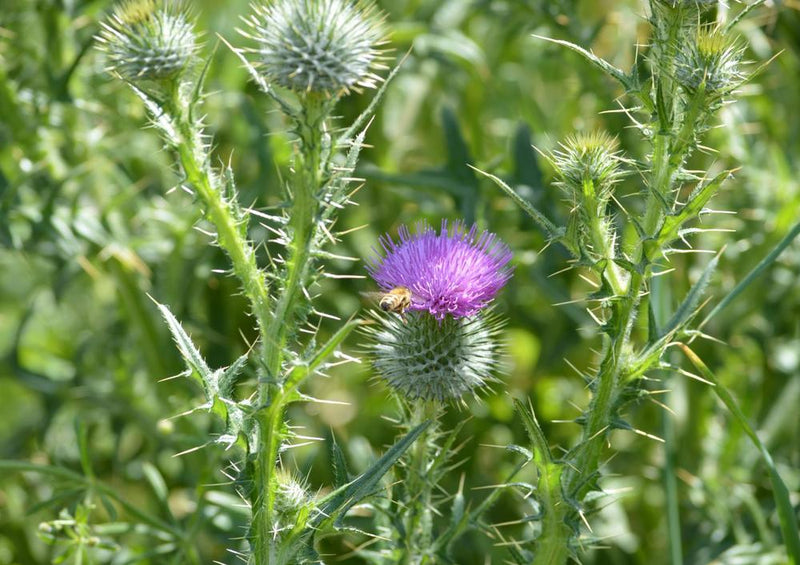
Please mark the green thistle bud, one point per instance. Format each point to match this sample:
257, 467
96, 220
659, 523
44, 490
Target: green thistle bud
149, 39
588, 166
422, 358
291, 497
321, 46
710, 64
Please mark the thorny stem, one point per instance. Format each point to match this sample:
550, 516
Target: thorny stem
273, 394
220, 211
418, 519
553, 542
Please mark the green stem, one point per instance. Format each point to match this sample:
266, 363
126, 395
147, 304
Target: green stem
552, 547
587, 455
418, 519
273, 393
221, 212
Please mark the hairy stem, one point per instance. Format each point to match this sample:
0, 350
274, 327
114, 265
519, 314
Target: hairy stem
195, 162
418, 518
273, 394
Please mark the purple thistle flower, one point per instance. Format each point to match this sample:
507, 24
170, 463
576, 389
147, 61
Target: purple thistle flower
455, 272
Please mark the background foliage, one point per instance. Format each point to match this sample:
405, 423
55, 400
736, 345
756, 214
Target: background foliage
93, 219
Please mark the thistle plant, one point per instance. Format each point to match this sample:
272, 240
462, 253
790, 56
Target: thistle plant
692, 70
446, 346
304, 55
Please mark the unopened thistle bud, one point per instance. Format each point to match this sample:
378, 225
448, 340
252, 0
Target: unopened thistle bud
588, 167
710, 64
317, 46
149, 40
446, 345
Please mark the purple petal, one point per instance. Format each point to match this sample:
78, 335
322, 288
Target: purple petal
455, 272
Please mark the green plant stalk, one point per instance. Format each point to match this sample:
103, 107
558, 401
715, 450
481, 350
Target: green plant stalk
552, 546
587, 454
600, 239
195, 163
662, 173
417, 521
660, 301
273, 393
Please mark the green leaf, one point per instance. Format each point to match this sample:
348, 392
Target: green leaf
650, 356
786, 515
688, 308
601, 64
157, 483
670, 228
339, 463
285, 105
364, 118
191, 355
336, 504
300, 372
752, 275
549, 228
535, 433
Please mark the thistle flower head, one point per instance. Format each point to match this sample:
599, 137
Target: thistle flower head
320, 46
455, 272
425, 359
712, 62
149, 39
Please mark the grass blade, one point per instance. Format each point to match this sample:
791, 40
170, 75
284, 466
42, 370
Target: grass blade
752, 275
786, 516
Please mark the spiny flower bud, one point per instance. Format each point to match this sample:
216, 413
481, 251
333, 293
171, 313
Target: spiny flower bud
422, 358
711, 63
149, 39
321, 46
291, 495
588, 166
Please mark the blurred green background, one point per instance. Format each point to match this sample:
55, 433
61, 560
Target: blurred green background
93, 219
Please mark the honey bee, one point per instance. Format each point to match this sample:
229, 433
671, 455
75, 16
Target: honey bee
396, 300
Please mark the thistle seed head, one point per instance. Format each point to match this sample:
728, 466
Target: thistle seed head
711, 63
149, 39
326, 47
422, 358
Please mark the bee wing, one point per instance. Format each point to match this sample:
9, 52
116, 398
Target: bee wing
372, 296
